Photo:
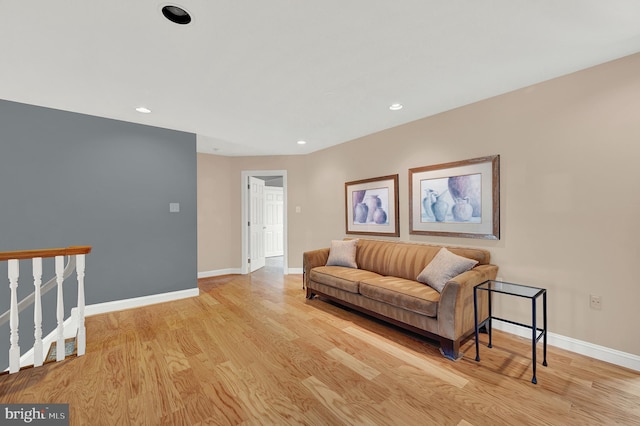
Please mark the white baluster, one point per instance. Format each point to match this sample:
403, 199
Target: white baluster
14, 350
81, 338
37, 313
60, 349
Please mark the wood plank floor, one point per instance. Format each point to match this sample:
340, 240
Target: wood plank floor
251, 350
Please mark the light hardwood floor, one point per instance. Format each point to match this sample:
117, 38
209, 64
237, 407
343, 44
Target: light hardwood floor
252, 350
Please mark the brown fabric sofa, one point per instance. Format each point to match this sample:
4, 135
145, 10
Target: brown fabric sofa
384, 286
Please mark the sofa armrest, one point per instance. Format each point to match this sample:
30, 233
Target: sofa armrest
455, 309
311, 259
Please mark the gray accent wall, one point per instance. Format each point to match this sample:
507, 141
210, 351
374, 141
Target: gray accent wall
73, 179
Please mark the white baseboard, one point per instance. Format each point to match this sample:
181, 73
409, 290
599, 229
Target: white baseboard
591, 350
136, 302
218, 272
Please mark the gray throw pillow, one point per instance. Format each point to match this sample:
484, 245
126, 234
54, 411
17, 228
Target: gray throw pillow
444, 266
343, 253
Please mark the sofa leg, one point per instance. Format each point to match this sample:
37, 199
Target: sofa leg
450, 349
310, 295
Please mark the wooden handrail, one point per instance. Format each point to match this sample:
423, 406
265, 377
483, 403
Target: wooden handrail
51, 252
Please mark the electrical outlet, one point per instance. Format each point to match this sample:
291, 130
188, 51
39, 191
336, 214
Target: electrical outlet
595, 302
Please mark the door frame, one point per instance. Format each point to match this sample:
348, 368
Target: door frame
244, 207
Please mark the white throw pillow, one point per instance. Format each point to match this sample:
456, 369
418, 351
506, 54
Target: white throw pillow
343, 253
444, 266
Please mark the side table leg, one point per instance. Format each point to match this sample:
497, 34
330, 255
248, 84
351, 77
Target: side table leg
534, 331
475, 321
488, 323
544, 320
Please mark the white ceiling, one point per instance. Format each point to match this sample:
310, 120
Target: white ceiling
253, 77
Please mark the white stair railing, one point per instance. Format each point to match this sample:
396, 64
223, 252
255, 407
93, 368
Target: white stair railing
76, 261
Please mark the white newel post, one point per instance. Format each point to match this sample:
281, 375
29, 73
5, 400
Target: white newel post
60, 349
37, 312
14, 350
81, 341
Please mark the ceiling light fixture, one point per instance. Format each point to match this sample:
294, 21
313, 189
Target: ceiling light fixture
143, 110
302, 142
396, 107
176, 14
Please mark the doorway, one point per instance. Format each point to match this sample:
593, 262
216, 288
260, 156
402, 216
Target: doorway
264, 218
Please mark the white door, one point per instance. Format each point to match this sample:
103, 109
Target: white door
256, 224
274, 221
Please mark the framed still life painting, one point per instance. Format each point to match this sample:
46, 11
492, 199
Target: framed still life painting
459, 199
372, 206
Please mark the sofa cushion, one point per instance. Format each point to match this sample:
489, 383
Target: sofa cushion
343, 278
407, 260
375, 255
406, 294
444, 266
343, 253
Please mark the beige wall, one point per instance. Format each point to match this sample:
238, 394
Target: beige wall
216, 233
219, 213
570, 202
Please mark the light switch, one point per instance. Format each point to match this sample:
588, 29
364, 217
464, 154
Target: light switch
298, 209
174, 207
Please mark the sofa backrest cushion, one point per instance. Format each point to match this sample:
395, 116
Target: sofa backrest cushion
374, 255
404, 259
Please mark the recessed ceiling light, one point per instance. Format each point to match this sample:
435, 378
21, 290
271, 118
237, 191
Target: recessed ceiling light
395, 107
176, 14
143, 110
302, 142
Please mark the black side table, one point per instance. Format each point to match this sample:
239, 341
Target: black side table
492, 286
